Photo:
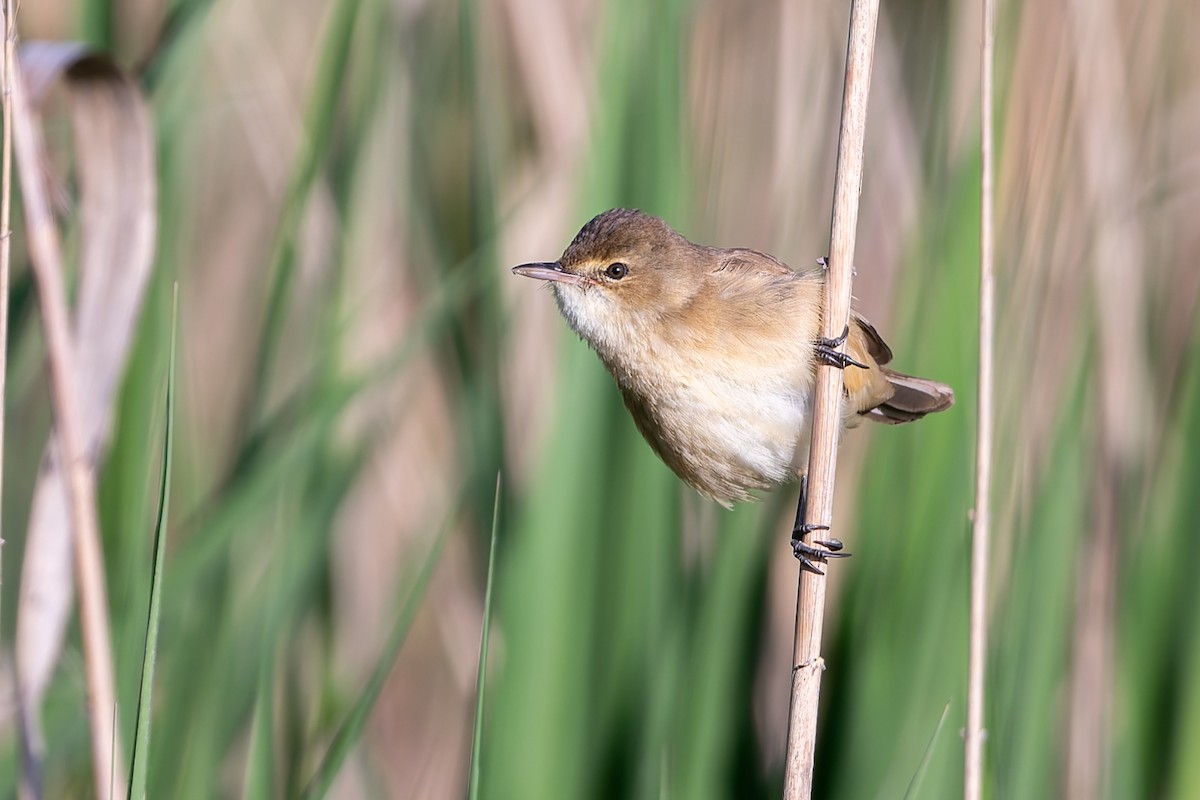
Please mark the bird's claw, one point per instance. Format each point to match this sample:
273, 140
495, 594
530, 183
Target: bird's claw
827, 351
806, 554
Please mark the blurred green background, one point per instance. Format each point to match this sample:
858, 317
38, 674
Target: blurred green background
343, 186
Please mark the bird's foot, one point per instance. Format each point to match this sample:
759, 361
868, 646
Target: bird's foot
805, 553
827, 351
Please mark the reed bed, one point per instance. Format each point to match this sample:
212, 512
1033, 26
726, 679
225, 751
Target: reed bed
340, 188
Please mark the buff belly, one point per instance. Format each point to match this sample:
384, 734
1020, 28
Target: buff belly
722, 436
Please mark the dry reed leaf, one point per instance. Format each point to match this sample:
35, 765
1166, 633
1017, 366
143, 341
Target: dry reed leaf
115, 164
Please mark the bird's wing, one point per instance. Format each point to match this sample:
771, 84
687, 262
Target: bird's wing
870, 340
753, 287
866, 388
743, 260
752, 297
758, 265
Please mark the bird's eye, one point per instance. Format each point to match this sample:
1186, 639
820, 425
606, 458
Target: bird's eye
616, 271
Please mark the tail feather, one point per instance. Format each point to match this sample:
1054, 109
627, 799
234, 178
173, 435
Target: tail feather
913, 399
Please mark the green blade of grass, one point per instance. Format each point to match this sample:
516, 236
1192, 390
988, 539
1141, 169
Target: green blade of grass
319, 125
139, 766
918, 777
350, 730
260, 625
260, 766
481, 679
711, 710
286, 440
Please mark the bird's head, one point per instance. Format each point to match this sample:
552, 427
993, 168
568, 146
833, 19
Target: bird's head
624, 272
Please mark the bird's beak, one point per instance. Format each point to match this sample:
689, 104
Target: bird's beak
549, 271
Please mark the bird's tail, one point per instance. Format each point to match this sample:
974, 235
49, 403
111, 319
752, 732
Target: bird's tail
913, 399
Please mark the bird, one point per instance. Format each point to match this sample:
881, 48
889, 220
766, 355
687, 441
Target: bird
715, 350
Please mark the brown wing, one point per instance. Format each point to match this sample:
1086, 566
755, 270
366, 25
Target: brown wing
756, 294
881, 394
874, 392
866, 388
876, 346
741, 259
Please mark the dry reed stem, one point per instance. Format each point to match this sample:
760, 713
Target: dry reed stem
46, 258
10, 34
981, 526
807, 663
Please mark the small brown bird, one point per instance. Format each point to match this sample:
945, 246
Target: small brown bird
715, 351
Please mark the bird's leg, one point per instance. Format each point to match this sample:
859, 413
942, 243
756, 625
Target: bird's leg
827, 351
803, 551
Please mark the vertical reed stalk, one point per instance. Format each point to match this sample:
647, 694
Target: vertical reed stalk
807, 663
46, 258
10, 34
981, 528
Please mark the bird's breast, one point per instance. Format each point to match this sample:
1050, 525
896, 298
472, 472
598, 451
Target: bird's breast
727, 422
